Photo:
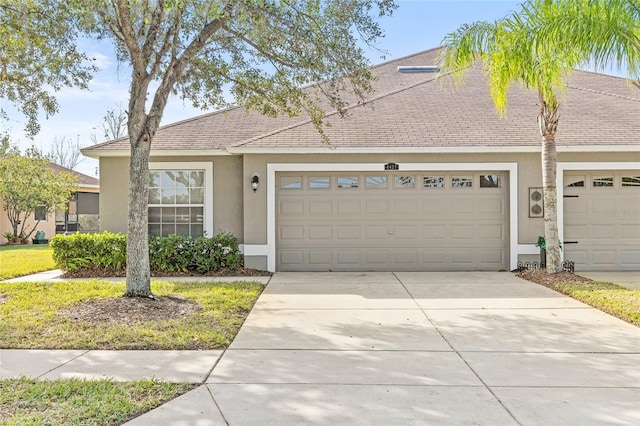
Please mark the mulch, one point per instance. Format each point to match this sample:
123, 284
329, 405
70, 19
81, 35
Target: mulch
540, 276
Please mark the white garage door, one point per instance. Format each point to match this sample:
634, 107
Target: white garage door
392, 221
602, 220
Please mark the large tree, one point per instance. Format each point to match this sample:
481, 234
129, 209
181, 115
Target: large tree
27, 185
39, 56
268, 54
537, 47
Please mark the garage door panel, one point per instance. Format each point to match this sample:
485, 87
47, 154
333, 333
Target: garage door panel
292, 258
390, 227
377, 232
603, 258
320, 207
348, 232
377, 207
492, 256
320, 232
292, 232
291, 208
491, 205
631, 258
348, 257
491, 232
346, 207
433, 232
377, 257
631, 232
462, 232
320, 257
602, 221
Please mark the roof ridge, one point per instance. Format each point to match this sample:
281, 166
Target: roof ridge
615, 95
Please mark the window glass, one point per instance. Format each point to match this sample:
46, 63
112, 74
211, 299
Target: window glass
433, 181
574, 181
490, 181
347, 181
290, 182
176, 202
404, 182
376, 182
41, 213
602, 181
631, 181
319, 182
462, 182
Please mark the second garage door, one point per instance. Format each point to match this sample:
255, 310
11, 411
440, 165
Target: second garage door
392, 221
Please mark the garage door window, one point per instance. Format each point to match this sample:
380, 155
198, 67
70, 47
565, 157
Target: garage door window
376, 182
574, 181
462, 182
602, 181
405, 182
433, 181
348, 182
490, 181
176, 202
290, 182
633, 181
319, 182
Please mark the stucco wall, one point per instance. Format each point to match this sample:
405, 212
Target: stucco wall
227, 189
48, 226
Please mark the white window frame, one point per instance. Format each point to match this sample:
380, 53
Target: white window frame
208, 186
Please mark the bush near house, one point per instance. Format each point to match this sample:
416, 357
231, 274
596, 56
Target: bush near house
106, 252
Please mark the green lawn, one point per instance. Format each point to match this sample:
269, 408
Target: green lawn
31, 317
611, 298
20, 260
79, 402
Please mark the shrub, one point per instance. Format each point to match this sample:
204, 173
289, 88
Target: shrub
107, 251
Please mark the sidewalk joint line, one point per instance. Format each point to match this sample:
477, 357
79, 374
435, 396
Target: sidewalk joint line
64, 363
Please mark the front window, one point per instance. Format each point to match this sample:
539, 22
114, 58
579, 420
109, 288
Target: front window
176, 202
41, 213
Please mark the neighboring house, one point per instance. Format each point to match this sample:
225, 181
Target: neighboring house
81, 214
425, 178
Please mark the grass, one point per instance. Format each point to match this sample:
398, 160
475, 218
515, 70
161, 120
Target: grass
81, 402
31, 319
610, 298
20, 260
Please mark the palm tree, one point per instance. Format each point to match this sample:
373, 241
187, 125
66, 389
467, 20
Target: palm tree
537, 47
598, 32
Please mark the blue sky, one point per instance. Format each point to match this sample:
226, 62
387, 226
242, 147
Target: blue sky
416, 25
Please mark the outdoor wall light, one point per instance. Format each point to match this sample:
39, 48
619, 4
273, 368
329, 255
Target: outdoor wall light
255, 180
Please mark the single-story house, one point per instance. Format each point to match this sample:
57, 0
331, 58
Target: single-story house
80, 215
423, 177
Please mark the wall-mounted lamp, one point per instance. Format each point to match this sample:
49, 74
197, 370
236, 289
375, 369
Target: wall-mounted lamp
255, 180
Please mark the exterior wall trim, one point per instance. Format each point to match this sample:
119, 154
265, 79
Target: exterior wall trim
208, 182
564, 166
272, 168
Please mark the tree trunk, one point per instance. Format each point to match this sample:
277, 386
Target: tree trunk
549, 163
138, 274
548, 121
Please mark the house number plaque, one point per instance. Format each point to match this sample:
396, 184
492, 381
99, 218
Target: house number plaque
391, 166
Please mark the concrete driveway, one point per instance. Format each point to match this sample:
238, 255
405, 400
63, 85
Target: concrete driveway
418, 348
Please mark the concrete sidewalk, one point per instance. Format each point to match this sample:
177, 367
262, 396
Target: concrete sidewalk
391, 349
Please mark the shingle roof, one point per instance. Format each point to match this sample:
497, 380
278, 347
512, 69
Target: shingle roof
83, 180
416, 110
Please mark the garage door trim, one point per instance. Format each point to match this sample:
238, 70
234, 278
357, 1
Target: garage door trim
273, 168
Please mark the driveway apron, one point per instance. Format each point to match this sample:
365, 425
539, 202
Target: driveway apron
424, 348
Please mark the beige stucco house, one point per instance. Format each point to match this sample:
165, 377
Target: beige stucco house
423, 177
81, 213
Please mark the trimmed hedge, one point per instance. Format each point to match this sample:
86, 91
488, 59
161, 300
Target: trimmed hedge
108, 251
